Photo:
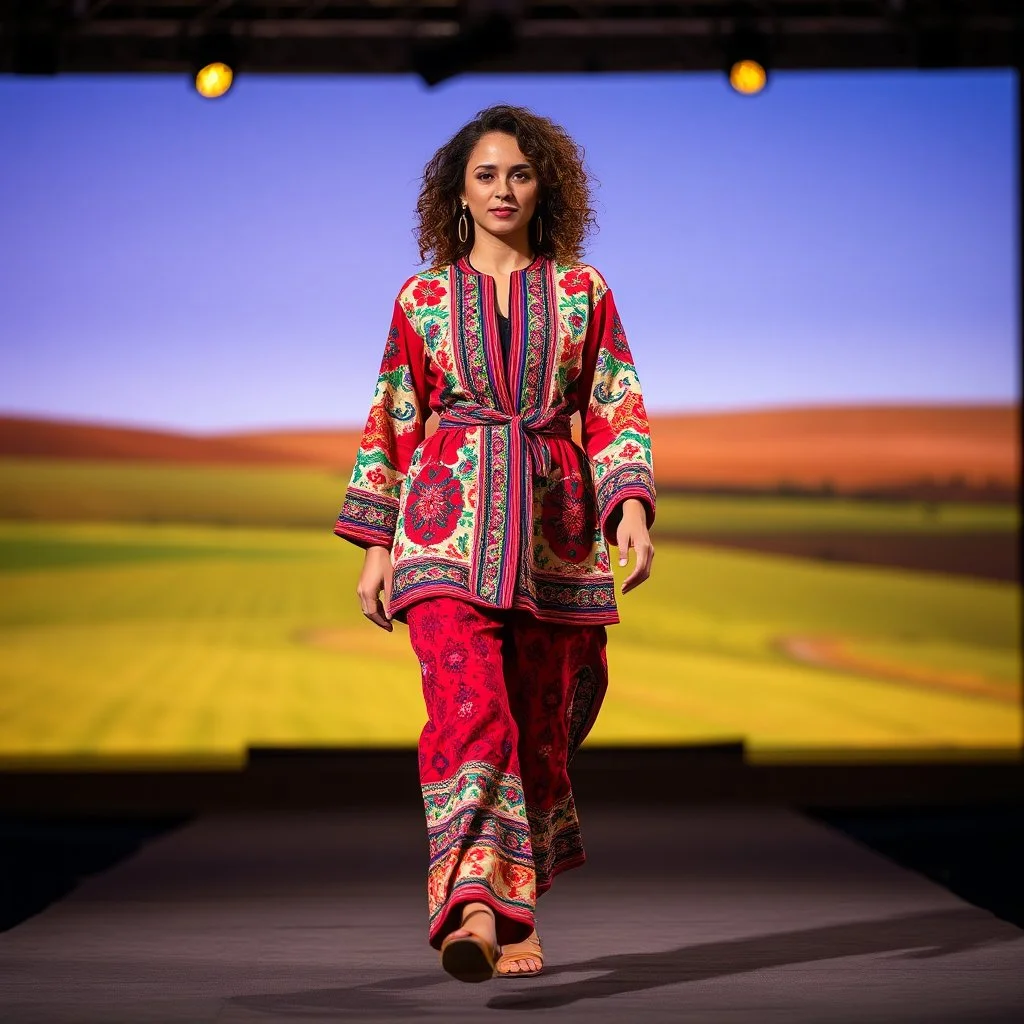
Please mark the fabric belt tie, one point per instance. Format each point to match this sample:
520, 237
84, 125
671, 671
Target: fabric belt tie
526, 434
525, 442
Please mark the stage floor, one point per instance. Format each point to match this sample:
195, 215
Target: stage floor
703, 914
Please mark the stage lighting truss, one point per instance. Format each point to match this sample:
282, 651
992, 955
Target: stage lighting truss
439, 38
487, 29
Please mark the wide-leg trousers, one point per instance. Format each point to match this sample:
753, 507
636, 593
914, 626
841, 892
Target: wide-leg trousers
509, 700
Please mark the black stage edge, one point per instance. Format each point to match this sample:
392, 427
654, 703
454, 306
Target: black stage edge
959, 823
307, 779
975, 852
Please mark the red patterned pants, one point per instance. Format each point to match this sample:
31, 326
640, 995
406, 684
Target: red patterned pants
509, 700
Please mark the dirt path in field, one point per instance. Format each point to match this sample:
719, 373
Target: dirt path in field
834, 653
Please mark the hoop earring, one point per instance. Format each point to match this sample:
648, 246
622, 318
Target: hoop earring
540, 229
463, 225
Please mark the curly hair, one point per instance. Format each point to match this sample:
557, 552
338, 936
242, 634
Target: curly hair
564, 199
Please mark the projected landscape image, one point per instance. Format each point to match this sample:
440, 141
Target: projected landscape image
171, 594
837, 530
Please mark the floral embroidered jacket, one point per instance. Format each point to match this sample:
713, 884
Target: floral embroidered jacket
499, 505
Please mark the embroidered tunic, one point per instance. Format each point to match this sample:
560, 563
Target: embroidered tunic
499, 506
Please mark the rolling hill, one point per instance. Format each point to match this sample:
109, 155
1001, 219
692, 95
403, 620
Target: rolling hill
845, 448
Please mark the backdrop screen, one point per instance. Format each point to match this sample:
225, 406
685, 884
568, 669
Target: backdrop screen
818, 286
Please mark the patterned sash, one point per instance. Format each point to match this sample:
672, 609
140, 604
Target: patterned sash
523, 437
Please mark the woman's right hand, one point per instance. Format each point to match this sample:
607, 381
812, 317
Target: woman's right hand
377, 575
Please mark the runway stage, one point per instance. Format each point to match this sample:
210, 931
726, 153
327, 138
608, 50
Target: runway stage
700, 913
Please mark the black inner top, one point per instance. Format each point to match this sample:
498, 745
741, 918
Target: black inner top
504, 323
505, 333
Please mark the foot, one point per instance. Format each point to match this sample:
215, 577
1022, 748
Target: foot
522, 957
478, 920
469, 952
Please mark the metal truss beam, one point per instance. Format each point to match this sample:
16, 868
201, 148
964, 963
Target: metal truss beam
381, 36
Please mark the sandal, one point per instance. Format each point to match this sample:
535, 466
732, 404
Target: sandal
469, 957
534, 953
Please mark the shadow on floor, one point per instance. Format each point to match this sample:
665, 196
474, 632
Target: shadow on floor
912, 936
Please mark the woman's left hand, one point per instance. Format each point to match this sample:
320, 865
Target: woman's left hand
632, 533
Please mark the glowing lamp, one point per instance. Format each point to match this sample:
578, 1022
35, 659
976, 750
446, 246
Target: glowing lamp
748, 56
214, 80
747, 77
214, 60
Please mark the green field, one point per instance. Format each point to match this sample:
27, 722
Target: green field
161, 641
89, 491
163, 612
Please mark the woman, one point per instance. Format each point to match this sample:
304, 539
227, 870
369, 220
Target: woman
489, 538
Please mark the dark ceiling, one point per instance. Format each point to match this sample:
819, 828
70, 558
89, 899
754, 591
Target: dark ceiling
365, 36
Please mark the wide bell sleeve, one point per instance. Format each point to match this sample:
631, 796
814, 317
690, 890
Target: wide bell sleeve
616, 433
394, 429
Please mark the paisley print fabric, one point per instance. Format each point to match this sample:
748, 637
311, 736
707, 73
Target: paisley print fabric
499, 506
509, 699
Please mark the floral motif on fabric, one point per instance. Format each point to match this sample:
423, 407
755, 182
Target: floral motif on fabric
574, 299
578, 596
434, 505
367, 518
569, 518
629, 413
496, 795
556, 838
426, 574
429, 318
476, 852
573, 302
575, 281
621, 447
494, 465
428, 293
540, 339
630, 448
475, 781
486, 528
392, 352
471, 361
617, 343
585, 600
376, 431
374, 472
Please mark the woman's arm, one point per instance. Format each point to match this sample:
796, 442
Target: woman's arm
394, 429
617, 436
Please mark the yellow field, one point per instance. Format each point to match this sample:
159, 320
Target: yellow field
88, 490
195, 641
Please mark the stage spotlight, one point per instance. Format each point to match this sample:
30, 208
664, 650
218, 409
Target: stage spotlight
214, 61
748, 57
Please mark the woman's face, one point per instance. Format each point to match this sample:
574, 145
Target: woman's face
501, 187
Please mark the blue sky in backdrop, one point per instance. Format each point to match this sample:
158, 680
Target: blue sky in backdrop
170, 262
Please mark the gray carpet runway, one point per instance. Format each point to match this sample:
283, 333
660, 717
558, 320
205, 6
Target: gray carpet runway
703, 914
